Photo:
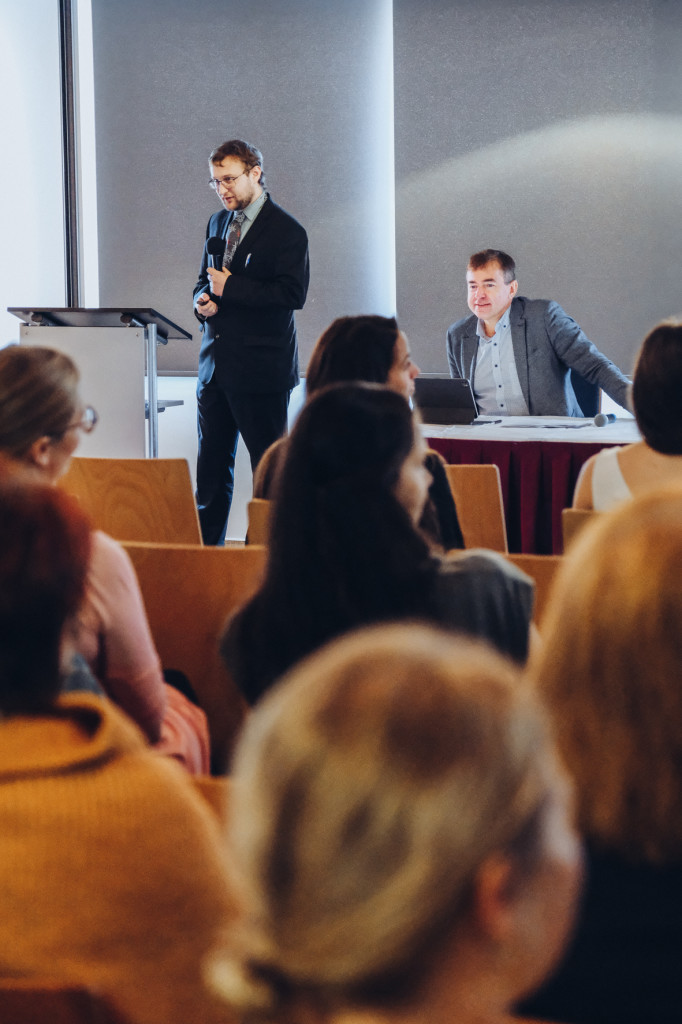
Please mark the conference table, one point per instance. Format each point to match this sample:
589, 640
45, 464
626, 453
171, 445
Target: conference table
539, 459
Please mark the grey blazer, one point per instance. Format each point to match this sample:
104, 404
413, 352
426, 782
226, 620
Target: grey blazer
547, 344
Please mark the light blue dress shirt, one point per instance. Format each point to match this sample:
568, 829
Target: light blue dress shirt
251, 212
497, 389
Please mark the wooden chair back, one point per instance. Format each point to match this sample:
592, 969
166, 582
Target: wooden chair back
188, 592
258, 531
215, 791
573, 520
136, 499
478, 498
34, 1000
542, 569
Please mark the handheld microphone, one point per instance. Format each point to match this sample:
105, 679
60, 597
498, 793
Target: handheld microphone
215, 247
602, 418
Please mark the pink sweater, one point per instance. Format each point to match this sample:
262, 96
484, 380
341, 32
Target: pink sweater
115, 639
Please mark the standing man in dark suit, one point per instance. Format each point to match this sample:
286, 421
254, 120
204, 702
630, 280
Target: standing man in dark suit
248, 362
518, 352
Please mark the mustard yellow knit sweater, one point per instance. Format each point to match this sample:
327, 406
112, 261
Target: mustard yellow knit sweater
111, 869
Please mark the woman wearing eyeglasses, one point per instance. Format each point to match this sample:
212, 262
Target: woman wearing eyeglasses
41, 417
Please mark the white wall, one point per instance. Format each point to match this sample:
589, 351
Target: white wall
31, 219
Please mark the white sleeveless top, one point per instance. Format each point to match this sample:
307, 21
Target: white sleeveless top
608, 486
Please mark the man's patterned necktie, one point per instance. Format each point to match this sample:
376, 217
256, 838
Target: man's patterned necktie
233, 237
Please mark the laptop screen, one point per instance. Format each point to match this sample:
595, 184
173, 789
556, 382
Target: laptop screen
445, 400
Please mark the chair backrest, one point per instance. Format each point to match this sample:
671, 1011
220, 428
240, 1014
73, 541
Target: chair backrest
478, 499
136, 499
587, 393
572, 522
188, 592
215, 791
258, 531
47, 1001
542, 569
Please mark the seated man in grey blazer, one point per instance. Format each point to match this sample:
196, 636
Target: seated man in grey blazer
518, 352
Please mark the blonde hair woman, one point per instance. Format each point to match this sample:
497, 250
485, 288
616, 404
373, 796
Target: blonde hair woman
609, 670
399, 834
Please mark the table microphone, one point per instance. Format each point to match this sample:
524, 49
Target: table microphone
602, 418
215, 247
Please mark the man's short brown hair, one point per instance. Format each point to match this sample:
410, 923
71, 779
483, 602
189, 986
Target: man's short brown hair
485, 256
251, 156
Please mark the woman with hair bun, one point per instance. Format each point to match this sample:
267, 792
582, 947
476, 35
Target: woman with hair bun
41, 416
400, 836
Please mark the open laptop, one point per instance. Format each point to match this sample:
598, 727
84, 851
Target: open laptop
444, 399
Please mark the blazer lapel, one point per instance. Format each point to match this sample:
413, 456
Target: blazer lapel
517, 321
222, 224
470, 349
259, 225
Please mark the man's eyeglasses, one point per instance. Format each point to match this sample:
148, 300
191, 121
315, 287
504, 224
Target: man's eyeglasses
87, 422
230, 179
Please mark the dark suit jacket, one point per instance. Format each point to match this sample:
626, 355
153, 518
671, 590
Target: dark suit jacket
623, 964
547, 343
251, 340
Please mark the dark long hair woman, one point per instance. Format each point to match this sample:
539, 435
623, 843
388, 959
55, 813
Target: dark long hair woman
345, 550
371, 349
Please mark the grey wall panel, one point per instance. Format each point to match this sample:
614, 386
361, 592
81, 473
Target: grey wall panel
308, 82
552, 130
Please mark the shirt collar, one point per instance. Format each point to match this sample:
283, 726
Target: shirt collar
254, 208
501, 325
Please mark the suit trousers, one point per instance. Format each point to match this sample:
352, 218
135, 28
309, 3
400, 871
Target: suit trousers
222, 416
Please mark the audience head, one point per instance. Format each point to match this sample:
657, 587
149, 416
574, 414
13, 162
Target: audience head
43, 563
39, 406
362, 348
346, 458
344, 550
398, 815
657, 386
609, 669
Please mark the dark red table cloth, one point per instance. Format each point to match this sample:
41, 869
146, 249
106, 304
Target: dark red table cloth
538, 479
